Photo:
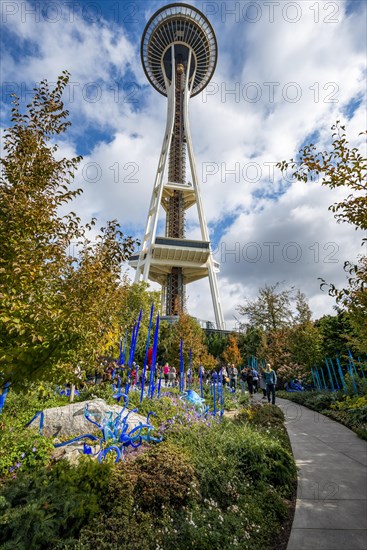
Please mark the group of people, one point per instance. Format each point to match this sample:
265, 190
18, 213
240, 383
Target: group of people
109, 369
170, 375
166, 372
265, 380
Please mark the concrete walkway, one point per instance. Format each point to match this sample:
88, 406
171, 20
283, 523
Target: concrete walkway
331, 509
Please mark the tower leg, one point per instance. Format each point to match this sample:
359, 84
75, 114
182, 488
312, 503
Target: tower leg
219, 319
142, 270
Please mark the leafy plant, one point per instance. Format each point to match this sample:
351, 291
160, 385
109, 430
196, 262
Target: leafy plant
23, 450
100, 391
42, 508
342, 166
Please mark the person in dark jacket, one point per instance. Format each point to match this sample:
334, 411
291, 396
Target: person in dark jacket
250, 381
263, 385
271, 381
255, 380
243, 379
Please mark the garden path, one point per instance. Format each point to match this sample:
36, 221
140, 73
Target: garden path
331, 507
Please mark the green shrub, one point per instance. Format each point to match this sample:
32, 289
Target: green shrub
23, 449
164, 408
264, 459
353, 384
358, 416
209, 486
297, 397
356, 402
41, 508
21, 406
321, 401
241, 525
318, 401
262, 416
163, 478
235, 451
100, 391
140, 495
361, 431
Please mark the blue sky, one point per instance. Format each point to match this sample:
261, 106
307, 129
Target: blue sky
286, 72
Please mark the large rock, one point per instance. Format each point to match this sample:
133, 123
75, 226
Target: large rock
70, 421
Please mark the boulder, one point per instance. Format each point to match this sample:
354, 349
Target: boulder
69, 421
73, 455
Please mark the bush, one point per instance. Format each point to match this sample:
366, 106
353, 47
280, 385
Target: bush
20, 447
235, 451
21, 406
361, 431
262, 416
164, 409
318, 401
356, 402
163, 478
40, 509
242, 474
101, 391
322, 401
141, 497
353, 384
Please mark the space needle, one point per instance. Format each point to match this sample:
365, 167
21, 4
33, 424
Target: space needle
179, 55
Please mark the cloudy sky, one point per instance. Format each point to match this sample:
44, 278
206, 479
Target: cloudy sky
286, 72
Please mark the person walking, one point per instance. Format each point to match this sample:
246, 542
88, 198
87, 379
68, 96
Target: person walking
250, 381
225, 378
188, 378
202, 374
255, 380
243, 379
165, 374
172, 376
233, 373
133, 374
263, 385
271, 380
